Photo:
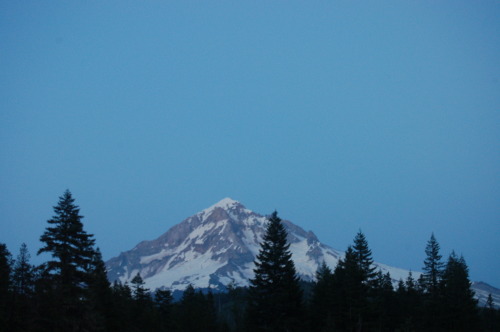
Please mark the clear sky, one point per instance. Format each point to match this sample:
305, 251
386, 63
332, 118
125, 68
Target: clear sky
382, 116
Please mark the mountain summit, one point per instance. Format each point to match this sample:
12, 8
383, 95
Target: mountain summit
216, 247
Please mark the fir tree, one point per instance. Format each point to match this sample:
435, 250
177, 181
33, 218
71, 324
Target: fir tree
383, 307
352, 294
143, 304
490, 316
188, 309
5, 270
70, 246
459, 305
123, 309
139, 292
196, 312
235, 314
5, 285
409, 304
69, 269
364, 258
490, 305
99, 292
355, 279
430, 281
275, 297
163, 300
410, 284
24, 273
433, 267
23, 286
322, 302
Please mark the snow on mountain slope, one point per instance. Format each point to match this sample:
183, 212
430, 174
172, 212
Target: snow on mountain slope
213, 248
216, 247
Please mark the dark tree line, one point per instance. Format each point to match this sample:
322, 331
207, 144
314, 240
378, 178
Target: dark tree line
70, 292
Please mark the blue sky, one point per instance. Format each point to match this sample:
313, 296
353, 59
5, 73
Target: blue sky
379, 116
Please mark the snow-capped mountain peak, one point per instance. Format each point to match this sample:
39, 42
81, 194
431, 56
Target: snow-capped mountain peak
225, 203
217, 246
225, 206
213, 248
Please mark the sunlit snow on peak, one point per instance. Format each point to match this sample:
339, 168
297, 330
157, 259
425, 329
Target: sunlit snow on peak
226, 204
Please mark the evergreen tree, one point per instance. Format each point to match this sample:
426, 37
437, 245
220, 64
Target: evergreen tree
490, 305
122, 311
383, 309
364, 258
351, 295
5, 285
459, 306
139, 292
163, 300
23, 285
322, 302
69, 269
187, 311
99, 293
430, 282
143, 305
490, 316
433, 267
410, 304
275, 297
355, 279
410, 284
236, 308
24, 273
209, 314
196, 312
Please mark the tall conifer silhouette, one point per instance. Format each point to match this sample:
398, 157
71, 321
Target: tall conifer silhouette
275, 297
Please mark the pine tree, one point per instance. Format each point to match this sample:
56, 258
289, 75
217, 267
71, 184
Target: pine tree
322, 302
355, 276
490, 316
235, 314
196, 312
459, 305
433, 268
187, 311
70, 246
5, 285
410, 304
490, 305
139, 292
430, 282
275, 297
23, 285
364, 258
69, 269
5, 270
24, 273
410, 284
99, 293
123, 309
143, 304
163, 301
383, 308
352, 294
209, 315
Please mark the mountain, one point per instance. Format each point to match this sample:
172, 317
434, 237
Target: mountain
482, 291
216, 247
